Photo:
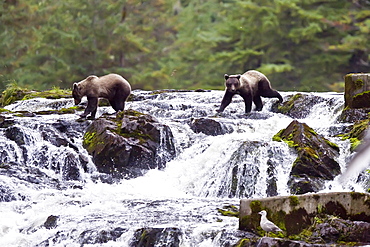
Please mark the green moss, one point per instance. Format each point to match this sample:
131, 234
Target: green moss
69, 110
310, 152
54, 93
230, 210
332, 144
293, 201
288, 105
357, 195
129, 112
88, 138
356, 133
243, 243
277, 137
91, 140
256, 206
2, 110
359, 83
12, 93
361, 94
320, 208
288, 140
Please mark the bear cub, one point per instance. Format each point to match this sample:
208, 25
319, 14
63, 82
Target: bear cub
250, 86
112, 87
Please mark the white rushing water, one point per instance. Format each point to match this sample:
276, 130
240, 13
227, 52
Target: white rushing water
209, 172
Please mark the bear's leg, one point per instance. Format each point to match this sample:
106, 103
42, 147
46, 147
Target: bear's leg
225, 101
248, 103
272, 94
258, 102
119, 104
92, 105
113, 104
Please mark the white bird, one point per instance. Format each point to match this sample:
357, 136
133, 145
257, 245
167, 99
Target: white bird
267, 225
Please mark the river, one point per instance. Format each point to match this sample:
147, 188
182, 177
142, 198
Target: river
180, 201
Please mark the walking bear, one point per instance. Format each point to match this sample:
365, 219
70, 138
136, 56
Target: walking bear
112, 87
250, 86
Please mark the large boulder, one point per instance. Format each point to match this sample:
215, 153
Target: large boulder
298, 105
209, 127
316, 161
146, 237
128, 144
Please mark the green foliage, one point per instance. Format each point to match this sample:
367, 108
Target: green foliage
12, 93
183, 44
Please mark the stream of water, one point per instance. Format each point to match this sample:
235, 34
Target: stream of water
181, 200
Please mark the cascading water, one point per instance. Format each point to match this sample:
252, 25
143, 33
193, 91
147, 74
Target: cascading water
46, 174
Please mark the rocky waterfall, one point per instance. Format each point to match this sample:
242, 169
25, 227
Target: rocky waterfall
60, 185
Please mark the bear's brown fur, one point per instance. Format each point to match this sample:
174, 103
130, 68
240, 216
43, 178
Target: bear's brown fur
251, 86
112, 87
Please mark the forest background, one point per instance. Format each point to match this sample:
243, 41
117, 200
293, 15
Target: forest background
301, 45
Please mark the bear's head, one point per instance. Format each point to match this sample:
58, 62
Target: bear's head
76, 93
232, 82
79, 88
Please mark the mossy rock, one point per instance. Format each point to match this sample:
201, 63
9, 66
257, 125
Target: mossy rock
298, 105
350, 115
229, 210
127, 145
316, 158
13, 93
356, 133
54, 93
70, 110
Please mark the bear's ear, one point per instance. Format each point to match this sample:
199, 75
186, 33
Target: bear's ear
90, 77
75, 86
226, 76
238, 76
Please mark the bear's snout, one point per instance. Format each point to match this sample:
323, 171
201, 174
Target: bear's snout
232, 88
77, 101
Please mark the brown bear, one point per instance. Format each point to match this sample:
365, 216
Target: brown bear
251, 86
112, 87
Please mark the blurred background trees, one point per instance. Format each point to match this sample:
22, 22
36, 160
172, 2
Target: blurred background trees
301, 45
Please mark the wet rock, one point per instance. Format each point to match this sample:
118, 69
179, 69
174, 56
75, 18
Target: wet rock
349, 115
316, 159
70, 169
28, 174
244, 171
302, 184
100, 236
356, 133
147, 237
208, 126
5, 122
16, 134
8, 194
51, 222
233, 238
335, 229
298, 105
129, 144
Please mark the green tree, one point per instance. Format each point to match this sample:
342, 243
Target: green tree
57, 42
300, 45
